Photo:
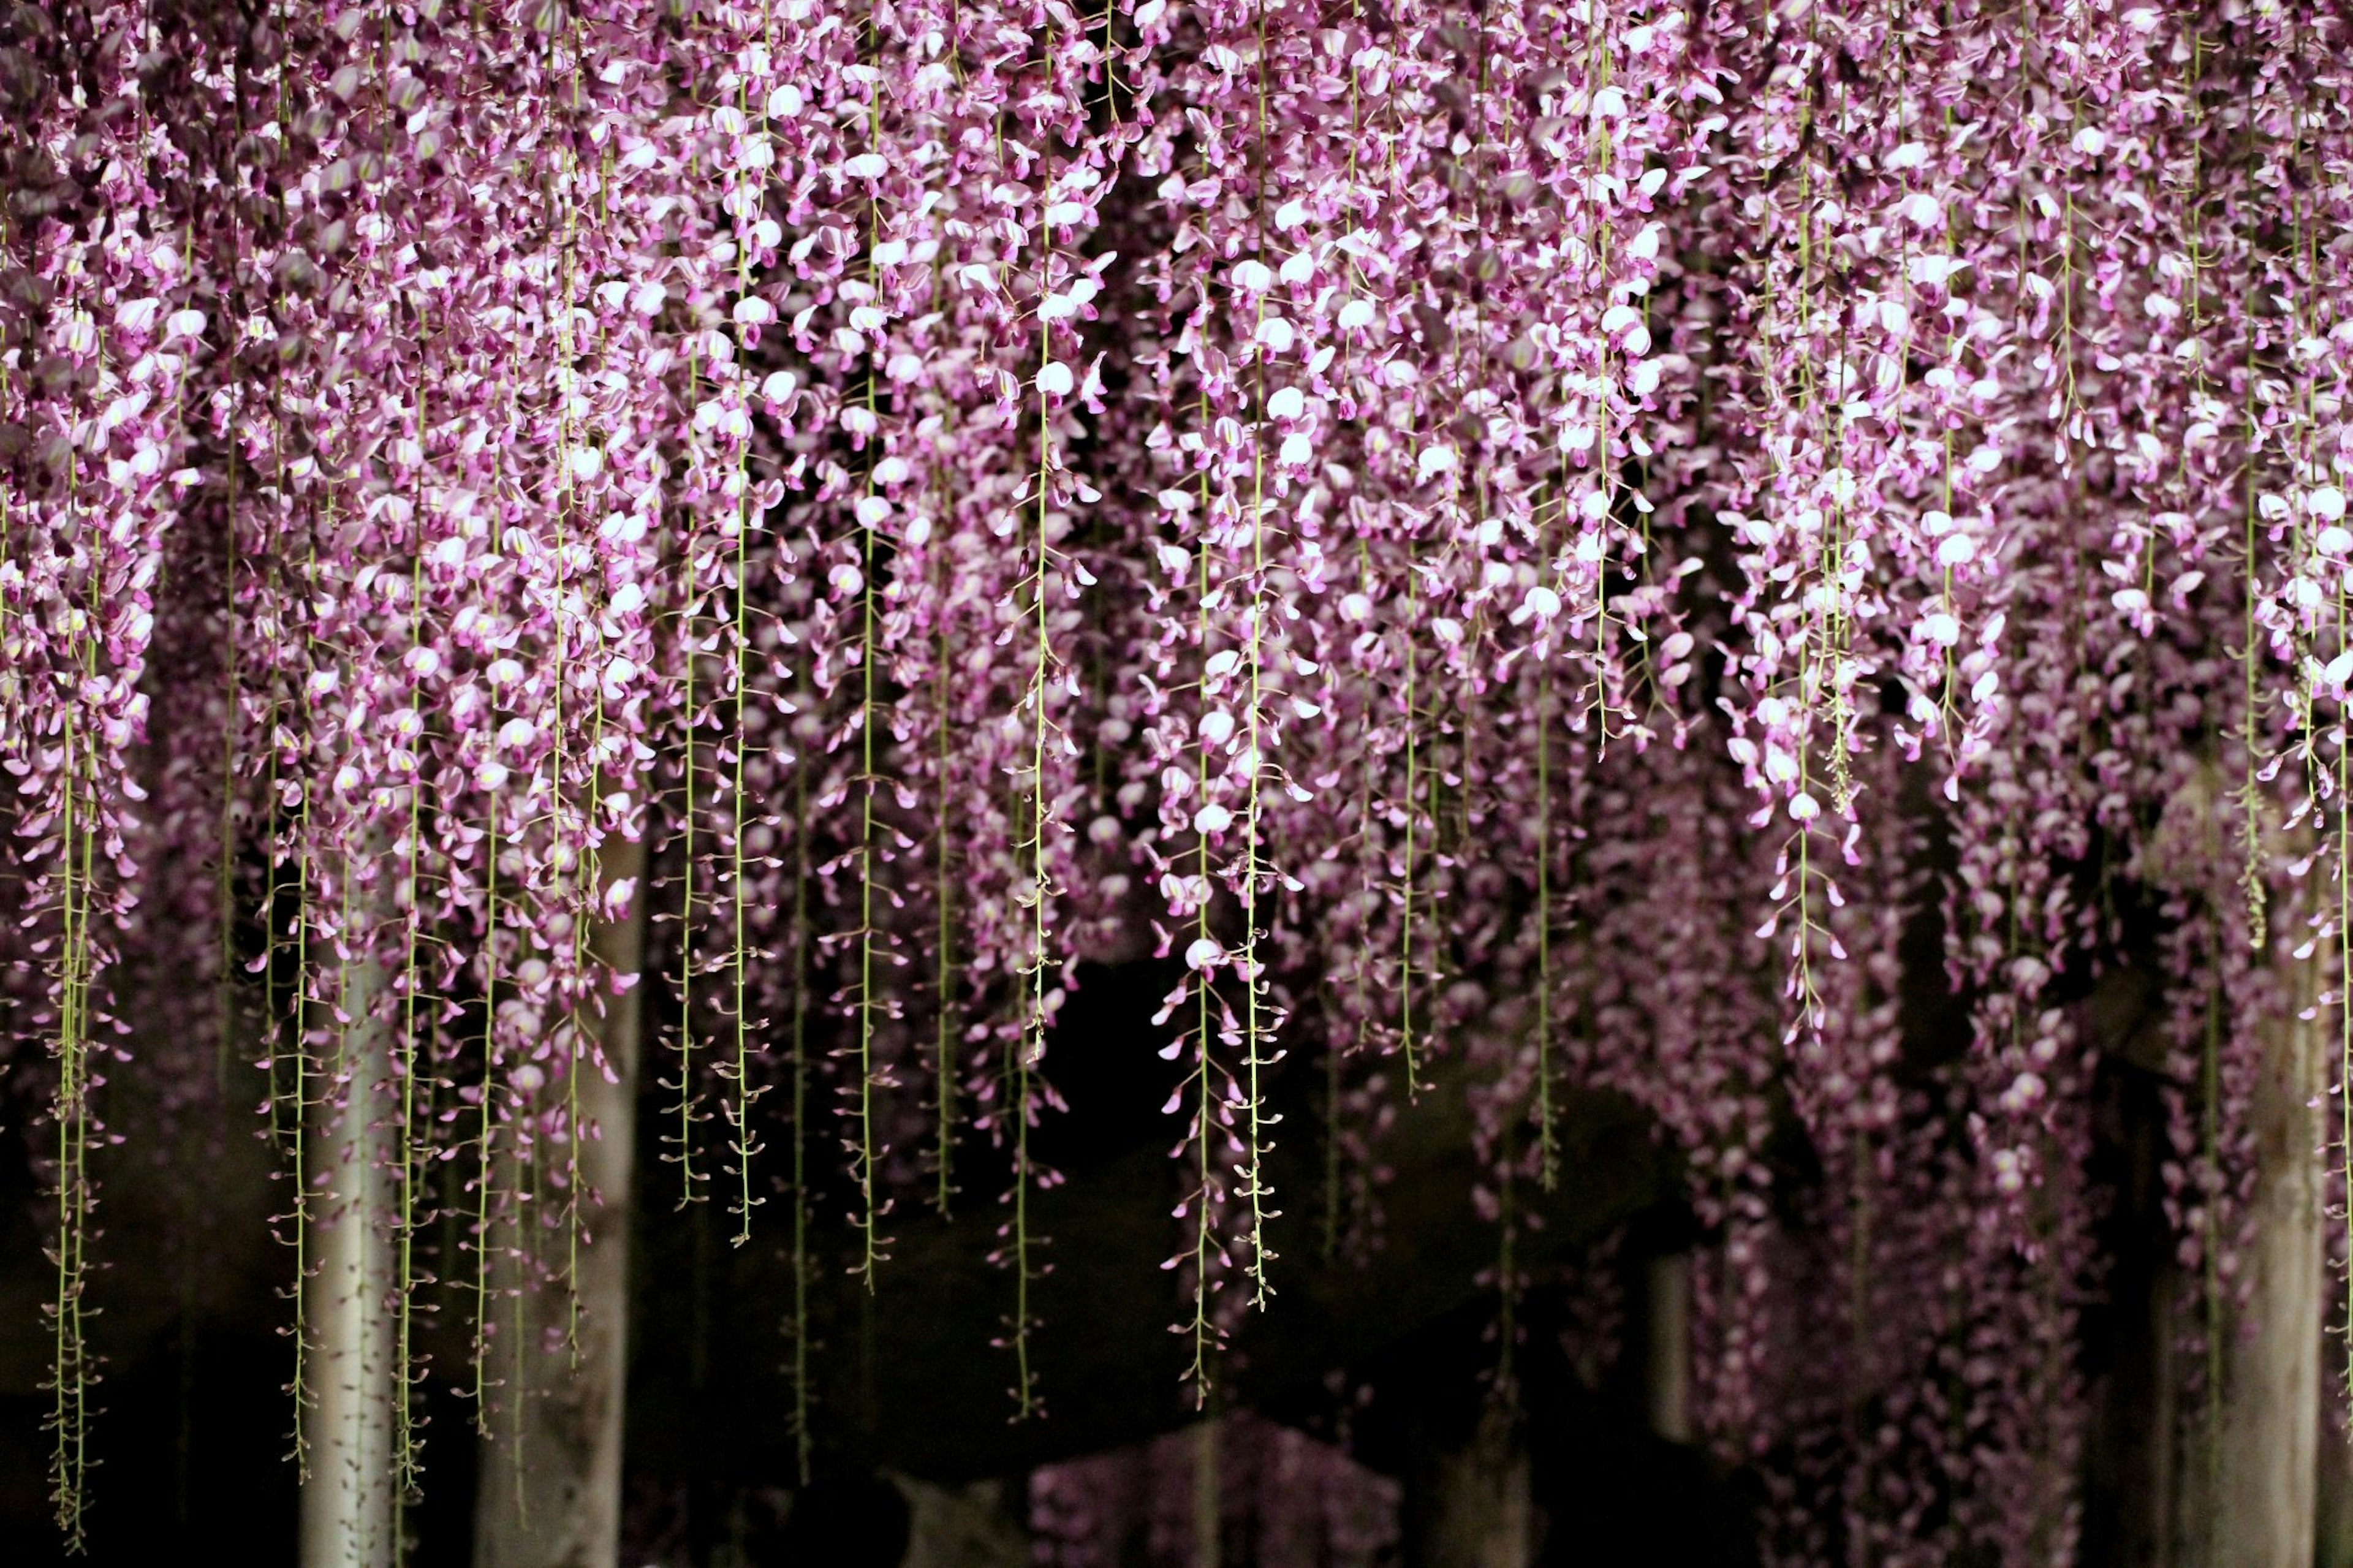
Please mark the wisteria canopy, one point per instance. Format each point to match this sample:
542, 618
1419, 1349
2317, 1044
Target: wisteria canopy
1739, 554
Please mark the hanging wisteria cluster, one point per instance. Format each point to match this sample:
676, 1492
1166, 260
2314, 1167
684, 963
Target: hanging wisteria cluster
1558, 534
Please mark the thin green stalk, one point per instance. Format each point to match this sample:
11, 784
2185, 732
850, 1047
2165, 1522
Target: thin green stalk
868, 1217
70, 1408
297, 1153
738, 948
945, 953
799, 1061
2252, 885
1547, 1132
225, 890
1204, 1332
2344, 959
407, 1445
684, 1137
1033, 1041
568, 442
1254, 985
485, 1154
77, 840
1412, 761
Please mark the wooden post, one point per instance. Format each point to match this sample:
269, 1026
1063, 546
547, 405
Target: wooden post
971, 1526
2333, 1502
1667, 1380
557, 1504
2248, 1499
1477, 1508
1209, 1497
350, 1515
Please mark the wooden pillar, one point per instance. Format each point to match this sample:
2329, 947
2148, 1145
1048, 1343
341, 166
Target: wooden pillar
1474, 1507
2333, 1499
2248, 1499
1667, 1360
978, 1525
350, 1515
1209, 1497
557, 1503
